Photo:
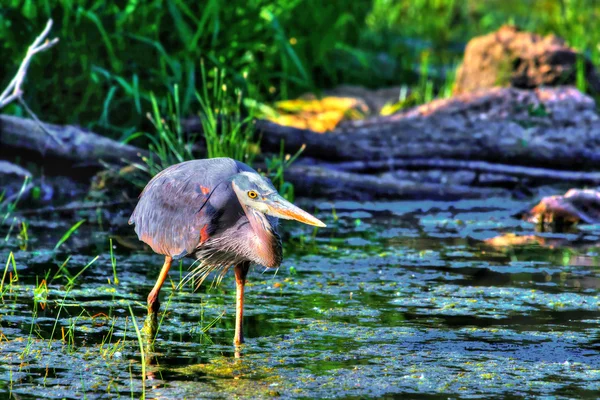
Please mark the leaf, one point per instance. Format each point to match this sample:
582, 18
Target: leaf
318, 115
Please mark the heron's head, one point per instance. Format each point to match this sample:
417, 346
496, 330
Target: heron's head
257, 193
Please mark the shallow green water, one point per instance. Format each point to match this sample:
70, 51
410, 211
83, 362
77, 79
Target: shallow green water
399, 299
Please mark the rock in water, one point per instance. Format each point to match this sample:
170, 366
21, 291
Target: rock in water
511, 57
574, 206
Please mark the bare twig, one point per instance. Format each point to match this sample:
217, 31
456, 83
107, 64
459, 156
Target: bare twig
14, 89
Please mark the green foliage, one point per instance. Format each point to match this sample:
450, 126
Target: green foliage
113, 56
276, 166
117, 59
168, 144
580, 74
444, 26
226, 131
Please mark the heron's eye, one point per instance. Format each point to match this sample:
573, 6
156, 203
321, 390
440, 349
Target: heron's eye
252, 194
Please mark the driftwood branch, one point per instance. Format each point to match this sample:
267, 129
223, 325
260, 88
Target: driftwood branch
14, 89
317, 181
474, 166
77, 145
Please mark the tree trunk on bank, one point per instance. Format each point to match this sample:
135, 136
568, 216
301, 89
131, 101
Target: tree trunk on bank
77, 144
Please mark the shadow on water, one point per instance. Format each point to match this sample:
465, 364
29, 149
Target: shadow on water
393, 300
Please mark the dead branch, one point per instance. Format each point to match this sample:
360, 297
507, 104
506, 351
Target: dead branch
520, 171
319, 181
14, 89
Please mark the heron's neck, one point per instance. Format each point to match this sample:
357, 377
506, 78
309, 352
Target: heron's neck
265, 244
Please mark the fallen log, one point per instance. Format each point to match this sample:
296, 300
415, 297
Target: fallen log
547, 127
76, 144
540, 174
322, 182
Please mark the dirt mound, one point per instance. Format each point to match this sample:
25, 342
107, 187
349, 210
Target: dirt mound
511, 57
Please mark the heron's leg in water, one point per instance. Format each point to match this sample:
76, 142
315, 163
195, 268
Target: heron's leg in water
241, 270
151, 323
153, 303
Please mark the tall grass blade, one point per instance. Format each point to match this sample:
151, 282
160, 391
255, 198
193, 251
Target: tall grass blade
68, 234
142, 351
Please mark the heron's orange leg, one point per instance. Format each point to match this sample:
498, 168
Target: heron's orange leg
241, 270
153, 303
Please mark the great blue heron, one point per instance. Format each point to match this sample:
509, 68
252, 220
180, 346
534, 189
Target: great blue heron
219, 211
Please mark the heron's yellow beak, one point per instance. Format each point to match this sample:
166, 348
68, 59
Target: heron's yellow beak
279, 207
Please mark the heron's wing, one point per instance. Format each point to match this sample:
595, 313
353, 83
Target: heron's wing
179, 208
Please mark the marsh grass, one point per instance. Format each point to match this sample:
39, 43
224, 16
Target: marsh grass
40, 292
60, 308
13, 276
32, 328
113, 262
227, 132
142, 351
68, 336
68, 234
58, 326
71, 326
8, 207
276, 166
164, 313
109, 350
201, 329
169, 145
63, 272
23, 236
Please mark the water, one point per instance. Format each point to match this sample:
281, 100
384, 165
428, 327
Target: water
399, 299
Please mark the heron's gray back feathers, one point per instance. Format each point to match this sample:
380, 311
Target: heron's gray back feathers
174, 213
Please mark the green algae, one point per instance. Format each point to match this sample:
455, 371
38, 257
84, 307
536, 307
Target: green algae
409, 302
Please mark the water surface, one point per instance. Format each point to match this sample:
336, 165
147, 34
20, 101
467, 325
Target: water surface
393, 299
